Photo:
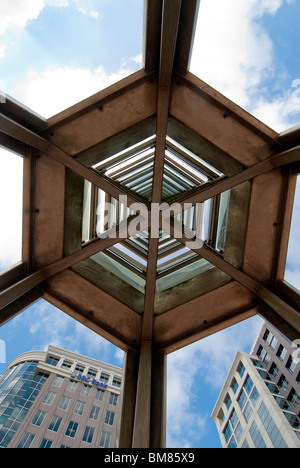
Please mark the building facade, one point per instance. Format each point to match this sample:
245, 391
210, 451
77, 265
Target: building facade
258, 406
59, 399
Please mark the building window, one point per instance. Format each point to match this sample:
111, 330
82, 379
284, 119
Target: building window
116, 382
282, 403
79, 408
66, 365
71, 387
94, 412
104, 377
293, 398
274, 370
88, 434
245, 444
292, 419
271, 428
227, 432
99, 394
241, 369
71, 429
109, 418
256, 436
242, 398
57, 381
38, 418
256, 362
270, 339
238, 432
55, 423
262, 353
85, 390
291, 364
227, 401
92, 373
79, 368
233, 418
283, 383
113, 399
64, 403
46, 443
105, 439
234, 385
281, 353
52, 361
248, 384
254, 396
26, 440
248, 412
49, 398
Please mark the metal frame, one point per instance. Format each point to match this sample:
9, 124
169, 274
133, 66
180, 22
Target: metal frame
260, 167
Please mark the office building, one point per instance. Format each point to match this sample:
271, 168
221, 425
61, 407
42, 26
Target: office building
59, 399
258, 406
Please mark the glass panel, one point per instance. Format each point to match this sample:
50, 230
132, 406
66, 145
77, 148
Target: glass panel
11, 199
183, 274
120, 271
222, 221
86, 217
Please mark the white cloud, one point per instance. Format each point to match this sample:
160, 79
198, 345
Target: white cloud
58, 88
138, 59
92, 14
231, 51
3, 48
203, 365
67, 334
16, 13
234, 54
11, 185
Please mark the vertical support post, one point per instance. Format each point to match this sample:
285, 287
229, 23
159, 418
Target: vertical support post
143, 418
129, 387
158, 401
141, 431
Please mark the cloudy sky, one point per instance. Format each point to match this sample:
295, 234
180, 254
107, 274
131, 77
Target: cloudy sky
54, 53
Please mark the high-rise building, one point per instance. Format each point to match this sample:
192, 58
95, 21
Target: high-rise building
59, 399
259, 404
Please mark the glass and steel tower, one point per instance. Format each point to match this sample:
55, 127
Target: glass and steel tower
258, 406
19, 387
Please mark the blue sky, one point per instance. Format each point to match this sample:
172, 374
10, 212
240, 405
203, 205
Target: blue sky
54, 53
